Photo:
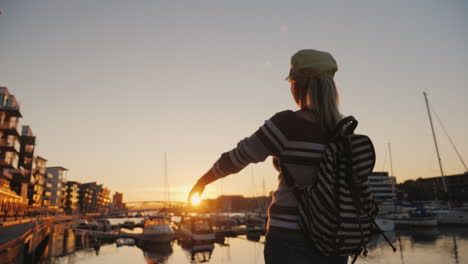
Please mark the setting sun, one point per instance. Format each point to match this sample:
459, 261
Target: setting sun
195, 200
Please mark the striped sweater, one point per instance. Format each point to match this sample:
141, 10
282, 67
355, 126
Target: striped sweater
297, 143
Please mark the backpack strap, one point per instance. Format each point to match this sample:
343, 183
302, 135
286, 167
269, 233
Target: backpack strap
350, 121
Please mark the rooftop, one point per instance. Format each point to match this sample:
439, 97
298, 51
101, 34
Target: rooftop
57, 168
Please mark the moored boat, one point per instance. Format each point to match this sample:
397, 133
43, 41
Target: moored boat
158, 229
419, 217
456, 216
197, 229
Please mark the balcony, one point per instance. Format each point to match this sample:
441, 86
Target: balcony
10, 145
10, 107
9, 160
41, 170
10, 127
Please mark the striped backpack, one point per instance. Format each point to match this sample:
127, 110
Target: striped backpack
338, 211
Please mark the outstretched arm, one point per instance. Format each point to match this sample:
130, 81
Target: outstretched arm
253, 149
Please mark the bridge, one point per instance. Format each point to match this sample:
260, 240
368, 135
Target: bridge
141, 206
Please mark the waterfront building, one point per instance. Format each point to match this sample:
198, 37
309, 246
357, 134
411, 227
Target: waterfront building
117, 201
432, 188
382, 186
72, 192
104, 201
457, 186
37, 185
10, 202
232, 203
88, 195
54, 188
26, 154
13, 185
93, 198
26, 161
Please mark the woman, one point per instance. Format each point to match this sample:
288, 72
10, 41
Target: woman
297, 140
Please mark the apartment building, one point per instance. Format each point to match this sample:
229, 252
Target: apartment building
71, 197
93, 198
382, 186
54, 188
13, 185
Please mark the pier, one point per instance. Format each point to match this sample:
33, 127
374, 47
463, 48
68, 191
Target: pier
20, 240
23, 240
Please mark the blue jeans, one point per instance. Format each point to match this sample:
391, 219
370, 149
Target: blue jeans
289, 247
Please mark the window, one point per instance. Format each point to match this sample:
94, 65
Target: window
29, 148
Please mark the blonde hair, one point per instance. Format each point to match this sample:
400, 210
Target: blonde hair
320, 96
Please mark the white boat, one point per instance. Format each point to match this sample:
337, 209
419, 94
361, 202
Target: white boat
419, 217
385, 225
458, 216
197, 229
158, 229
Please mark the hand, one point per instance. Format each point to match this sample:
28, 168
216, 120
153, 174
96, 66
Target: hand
198, 188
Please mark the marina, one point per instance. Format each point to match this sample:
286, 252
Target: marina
196, 240
233, 132
447, 244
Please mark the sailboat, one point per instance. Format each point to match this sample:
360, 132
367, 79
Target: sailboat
451, 215
197, 229
386, 224
419, 217
404, 216
158, 228
454, 216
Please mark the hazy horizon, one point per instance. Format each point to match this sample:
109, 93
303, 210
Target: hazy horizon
109, 86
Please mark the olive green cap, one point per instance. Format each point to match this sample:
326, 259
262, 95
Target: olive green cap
312, 63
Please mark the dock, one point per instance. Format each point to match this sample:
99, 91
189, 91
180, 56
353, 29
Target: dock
20, 240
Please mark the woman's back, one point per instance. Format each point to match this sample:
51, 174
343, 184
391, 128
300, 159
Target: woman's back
299, 143
297, 140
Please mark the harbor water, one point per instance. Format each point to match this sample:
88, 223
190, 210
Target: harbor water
424, 245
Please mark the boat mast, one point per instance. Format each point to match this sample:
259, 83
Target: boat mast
435, 143
450, 139
166, 183
263, 185
391, 162
264, 205
255, 204
391, 172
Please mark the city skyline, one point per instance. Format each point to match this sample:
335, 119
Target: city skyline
107, 88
